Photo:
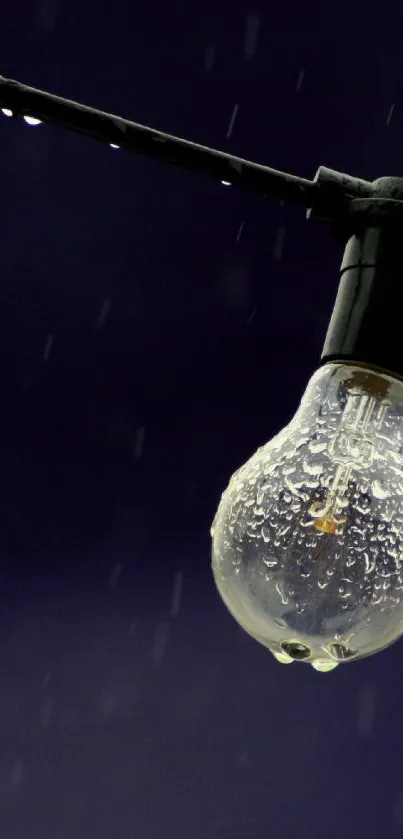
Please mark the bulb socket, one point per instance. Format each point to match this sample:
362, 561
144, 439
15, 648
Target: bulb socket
366, 326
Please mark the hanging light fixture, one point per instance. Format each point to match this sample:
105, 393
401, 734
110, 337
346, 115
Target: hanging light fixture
308, 536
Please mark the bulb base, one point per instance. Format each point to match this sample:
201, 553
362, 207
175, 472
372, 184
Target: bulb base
367, 322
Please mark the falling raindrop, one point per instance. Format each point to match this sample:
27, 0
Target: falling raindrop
46, 14
176, 594
46, 711
46, 679
108, 700
48, 347
398, 809
209, 59
115, 574
279, 244
240, 231
139, 442
366, 710
251, 316
251, 35
300, 79
390, 114
161, 636
232, 120
17, 774
103, 314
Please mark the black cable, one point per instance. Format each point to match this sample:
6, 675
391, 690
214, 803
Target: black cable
321, 196
28, 101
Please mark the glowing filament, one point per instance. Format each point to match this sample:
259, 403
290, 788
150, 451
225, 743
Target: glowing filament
352, 448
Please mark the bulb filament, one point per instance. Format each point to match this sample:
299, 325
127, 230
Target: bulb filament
353, 447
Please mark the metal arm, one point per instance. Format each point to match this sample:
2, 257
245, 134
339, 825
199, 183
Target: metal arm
321, 196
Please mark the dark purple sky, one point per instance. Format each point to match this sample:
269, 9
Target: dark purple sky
155, 328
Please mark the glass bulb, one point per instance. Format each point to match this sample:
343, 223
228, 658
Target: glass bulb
308, 536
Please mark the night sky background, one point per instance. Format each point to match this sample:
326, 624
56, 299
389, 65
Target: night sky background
155, 328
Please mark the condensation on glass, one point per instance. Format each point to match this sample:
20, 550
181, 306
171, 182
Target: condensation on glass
308, 536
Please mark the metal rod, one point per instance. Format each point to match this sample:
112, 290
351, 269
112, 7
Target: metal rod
28, 101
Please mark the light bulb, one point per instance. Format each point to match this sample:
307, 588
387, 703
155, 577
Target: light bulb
308, 536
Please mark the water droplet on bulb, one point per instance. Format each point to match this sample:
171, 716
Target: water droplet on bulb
313, 468
283, 596
296, 650
283, 658
280, 622
265, 534
323, 665
316, 447
379, 490
271, 562
370, 563
341, 652
294, 486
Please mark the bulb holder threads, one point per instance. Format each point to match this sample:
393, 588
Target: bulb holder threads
366, 326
